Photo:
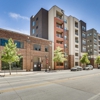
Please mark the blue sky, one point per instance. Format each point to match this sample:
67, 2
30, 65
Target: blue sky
15, 14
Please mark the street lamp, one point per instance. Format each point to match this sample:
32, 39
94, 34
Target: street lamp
46, 63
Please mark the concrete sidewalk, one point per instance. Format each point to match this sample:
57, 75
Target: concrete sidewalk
21, 72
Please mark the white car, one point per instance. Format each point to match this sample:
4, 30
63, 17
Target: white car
88, 67
76, 68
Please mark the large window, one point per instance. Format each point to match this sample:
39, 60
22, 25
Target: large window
33, 31
83, 28
14, 65
33, 23
37, 47
3, 42
19, 44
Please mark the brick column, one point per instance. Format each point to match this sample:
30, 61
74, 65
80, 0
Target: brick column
28, 56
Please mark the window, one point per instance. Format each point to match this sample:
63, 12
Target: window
65, 45
76, 46
59, 35
65, 20
83, 35
87, 40
33, 31
59, 64
95, 34
88, 46
65, 37
36, 27
19, 44
46, 49
76, 63
37, 47
90, 40
65, 29
84, 49
90, 33
83, 42
83, 28
36, 18
33, 23
3, 42
76, 54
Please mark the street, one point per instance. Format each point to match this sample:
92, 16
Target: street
61, 85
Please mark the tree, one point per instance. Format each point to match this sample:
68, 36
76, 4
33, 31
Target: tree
84, 59
59, 56
97, 61
9, 54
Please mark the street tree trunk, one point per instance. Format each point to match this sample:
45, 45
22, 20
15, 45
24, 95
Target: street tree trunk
10, 68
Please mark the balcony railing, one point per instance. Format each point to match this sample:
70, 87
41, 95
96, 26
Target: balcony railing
60, 17
59, 26
76, 41
60, 36
76, 33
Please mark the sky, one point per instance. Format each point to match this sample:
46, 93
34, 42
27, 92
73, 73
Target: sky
15, 14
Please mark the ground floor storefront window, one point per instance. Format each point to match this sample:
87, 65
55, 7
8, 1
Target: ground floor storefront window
14, 66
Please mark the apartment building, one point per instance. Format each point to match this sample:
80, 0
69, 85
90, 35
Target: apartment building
39, 24
83, 36
92, 45
58, 33
98, 44
64, 31
74, 40
36, 52
67, 32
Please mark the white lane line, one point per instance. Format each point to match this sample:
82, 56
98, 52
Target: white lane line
94, 97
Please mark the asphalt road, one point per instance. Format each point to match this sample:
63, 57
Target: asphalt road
61, 85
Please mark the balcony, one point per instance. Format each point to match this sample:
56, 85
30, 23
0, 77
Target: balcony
76, 24
59, 26
76, 33
59, 17
76, 41
60, 45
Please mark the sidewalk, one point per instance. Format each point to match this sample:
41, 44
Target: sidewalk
21, 72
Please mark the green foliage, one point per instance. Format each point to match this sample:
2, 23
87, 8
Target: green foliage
59, 55
84, 59
97, 61
9, 54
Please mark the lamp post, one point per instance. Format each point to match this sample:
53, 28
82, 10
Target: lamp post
46, 63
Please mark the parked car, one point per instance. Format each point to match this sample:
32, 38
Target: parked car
98, 66
88, 67
76, 68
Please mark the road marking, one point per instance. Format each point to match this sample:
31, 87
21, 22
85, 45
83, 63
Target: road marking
94, 97
45, 83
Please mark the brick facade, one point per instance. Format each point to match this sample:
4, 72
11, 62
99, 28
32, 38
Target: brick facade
27, 52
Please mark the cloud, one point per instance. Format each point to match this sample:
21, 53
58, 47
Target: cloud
17, 16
